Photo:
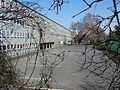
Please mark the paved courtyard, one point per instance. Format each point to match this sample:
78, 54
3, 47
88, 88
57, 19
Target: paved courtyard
66, 74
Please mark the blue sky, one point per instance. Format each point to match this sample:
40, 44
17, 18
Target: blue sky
73, 7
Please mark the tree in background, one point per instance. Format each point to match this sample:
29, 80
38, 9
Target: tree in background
88, 29
113, 78
115, 34
76, 25
100, 69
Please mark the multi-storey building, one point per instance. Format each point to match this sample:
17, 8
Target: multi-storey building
24, 30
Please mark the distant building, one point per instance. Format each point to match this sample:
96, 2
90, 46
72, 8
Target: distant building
74, 33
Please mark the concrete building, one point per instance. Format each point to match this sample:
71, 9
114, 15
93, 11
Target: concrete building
74, 33
24, 30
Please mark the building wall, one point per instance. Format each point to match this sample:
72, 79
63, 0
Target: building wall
23, 30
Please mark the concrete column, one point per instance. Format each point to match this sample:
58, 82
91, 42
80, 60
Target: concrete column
50, 45
47, 45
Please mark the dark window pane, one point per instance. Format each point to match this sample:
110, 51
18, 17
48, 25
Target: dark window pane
4, 47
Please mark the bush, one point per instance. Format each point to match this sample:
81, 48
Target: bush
102, 46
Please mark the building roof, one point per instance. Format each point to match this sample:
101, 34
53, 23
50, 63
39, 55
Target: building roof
40, 14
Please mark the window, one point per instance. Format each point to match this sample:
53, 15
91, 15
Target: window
33, 44
3, 3
2, 0
8, 46
18, 46
14, 21
21, 34
11, 21
0, 47
0, 33
8, 33
28, 35
4, 47
7, 4
23, 24
26, 45
21, 46
12, 46
14, 34
3, 33
18, 34
18, 22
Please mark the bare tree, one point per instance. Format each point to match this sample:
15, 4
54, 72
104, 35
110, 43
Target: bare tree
35, 25
107, 69
76, 25
101, 68
88, 30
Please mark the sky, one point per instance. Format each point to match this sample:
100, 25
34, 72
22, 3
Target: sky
73, 7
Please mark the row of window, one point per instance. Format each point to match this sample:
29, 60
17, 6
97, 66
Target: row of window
19, 22
23, 46
5, 3
6, 33
16, 46
16, 34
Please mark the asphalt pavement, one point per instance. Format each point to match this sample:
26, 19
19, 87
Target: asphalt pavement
65, 62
